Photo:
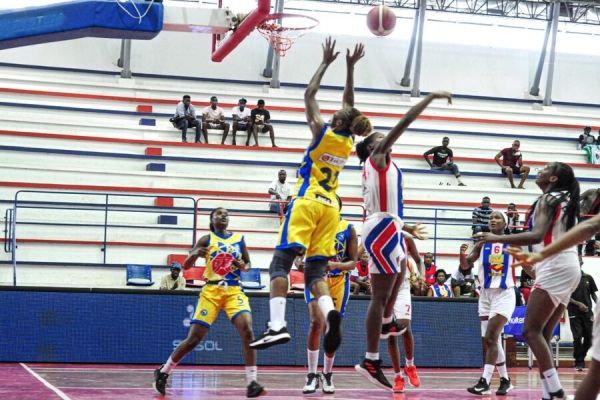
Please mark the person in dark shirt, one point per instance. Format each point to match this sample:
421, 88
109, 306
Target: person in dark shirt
526, 284
586, 137
581, 317
261, 122
512, 164
443, 159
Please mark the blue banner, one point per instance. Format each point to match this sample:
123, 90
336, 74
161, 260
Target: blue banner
515, 325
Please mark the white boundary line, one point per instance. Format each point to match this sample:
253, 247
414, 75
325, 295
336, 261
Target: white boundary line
58, 392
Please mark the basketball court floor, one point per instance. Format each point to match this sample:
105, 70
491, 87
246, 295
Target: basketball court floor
133, 382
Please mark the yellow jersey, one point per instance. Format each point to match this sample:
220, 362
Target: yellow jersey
321, 165
222, 251
342, 237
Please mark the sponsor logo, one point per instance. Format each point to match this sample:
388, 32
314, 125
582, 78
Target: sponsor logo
333, 160
205, 345
517, 320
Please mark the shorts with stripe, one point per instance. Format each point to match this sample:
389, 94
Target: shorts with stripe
383, 239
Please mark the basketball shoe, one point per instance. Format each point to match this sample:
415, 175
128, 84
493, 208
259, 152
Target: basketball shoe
399, 383
392, 328
312, 384
271, 338
505, 387
371, 369
413, 377
255, 389
327, 383
481, 388
160, 381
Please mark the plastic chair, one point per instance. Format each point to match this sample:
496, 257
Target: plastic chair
194, 277
296, 280
251, 279
139, 275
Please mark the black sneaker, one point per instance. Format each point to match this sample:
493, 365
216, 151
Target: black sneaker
333, 334
579, 366
505, 387
559, 395
392, 328
312, 383
481, 388
371, 369
160, 381
255, 389
271, 338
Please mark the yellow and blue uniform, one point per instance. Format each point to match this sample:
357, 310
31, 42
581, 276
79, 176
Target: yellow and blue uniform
313, 214
222, 290
337, 280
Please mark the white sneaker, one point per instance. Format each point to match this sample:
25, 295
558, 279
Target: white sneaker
312, 384
327, 383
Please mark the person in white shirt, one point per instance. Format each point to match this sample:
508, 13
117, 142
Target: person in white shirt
280, 190
173, 281
241, 119
213, 117
185, 117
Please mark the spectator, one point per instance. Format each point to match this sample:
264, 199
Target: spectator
280, 190
359, 280
481, 216
439, 288
581, 317
241, 119
430, 269
261, 122
513, 219
526, 284
588, 206
185, 117
586, 137
512, 164
213, 117
463, 280
174, 280
443, 159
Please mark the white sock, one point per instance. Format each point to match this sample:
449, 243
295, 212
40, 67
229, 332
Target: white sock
545, 391
313, 360
552, 380
251, 374
409, 363
372, 356
277, 308
326, 305
488, 370
168, 367
387, 320
328, 364
399, 374
458, 179
502, 371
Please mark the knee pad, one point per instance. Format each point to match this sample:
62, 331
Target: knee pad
314, 270
281, 264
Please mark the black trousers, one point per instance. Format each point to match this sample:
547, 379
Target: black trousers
582, 325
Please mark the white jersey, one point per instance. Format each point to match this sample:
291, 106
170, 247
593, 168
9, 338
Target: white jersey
495, 271
557, 227
382, 189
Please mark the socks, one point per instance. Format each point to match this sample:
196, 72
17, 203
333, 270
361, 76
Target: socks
409, 363
168, 367
399, 374
277, 311
372, 356
488, 370
502, 371
545, 391
552, 380
328, 364
251, 374
325, 305
458, 179
387, 320
313, 360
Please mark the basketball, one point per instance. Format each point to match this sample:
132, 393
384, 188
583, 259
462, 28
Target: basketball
381, 20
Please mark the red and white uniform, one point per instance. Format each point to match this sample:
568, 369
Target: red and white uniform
403, 304
382, 230
596, 334
557, 275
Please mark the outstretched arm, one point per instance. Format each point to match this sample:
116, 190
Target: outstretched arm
313, 113
380, 152
198, 251
359, 52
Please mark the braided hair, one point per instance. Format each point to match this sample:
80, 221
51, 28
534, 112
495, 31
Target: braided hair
357, 123
212, 214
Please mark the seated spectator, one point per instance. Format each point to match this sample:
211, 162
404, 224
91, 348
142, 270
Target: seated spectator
526, 285
443, 159
512, 164
512, 215
261, 122
280, 190
586, 137
417, 283
359, 278
185, 117
439, 288
481, 216
463, 279
430, 269
589, 203
174, 280
213, 117
241, 119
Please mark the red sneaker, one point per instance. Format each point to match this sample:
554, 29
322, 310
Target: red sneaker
399, 384
413, 377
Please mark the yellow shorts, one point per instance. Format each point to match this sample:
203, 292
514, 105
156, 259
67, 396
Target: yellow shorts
215, 298
311, 225
339, 288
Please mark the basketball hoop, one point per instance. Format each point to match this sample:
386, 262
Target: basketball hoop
280, 34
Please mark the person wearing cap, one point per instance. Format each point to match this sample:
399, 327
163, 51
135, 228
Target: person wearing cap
241, 119
213, 117
174, 280
586, 137
261, 122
